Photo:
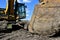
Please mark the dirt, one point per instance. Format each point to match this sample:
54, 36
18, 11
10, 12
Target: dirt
24, 35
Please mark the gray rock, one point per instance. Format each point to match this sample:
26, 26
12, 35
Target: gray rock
46, 18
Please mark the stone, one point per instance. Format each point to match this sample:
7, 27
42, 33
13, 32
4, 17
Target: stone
46, 18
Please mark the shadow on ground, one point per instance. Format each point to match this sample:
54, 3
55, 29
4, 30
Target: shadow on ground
56, 35
14, 28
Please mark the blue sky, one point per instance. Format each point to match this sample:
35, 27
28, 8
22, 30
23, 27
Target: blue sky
30, 6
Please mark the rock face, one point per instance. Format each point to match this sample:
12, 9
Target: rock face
46, 18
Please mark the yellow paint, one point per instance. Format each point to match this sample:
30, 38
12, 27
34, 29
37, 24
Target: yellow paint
5, 11
6, 8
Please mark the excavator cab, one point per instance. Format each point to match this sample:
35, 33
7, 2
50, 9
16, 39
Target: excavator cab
21, 10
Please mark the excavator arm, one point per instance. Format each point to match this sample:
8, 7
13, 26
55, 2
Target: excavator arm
5, 11
12, 1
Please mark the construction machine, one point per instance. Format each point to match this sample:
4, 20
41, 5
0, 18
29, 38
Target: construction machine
12, 14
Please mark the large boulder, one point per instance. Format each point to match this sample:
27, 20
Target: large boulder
46, 18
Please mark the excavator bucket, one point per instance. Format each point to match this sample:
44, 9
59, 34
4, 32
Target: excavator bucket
46, 18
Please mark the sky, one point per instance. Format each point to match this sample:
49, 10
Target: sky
29, 3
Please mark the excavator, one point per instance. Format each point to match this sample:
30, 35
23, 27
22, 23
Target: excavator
12, 14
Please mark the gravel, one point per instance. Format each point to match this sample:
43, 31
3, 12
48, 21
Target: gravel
25, 35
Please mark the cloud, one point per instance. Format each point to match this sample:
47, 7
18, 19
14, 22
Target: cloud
19, 1
27, 1
27, 14
27, 10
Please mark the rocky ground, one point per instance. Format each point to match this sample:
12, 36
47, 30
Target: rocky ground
24, 35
